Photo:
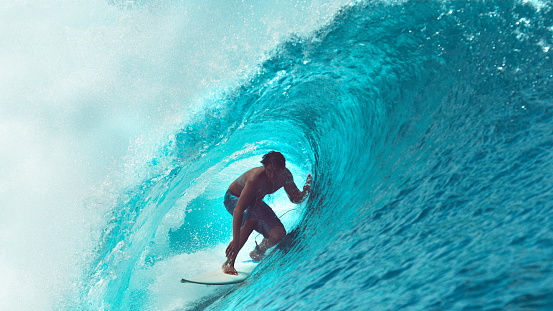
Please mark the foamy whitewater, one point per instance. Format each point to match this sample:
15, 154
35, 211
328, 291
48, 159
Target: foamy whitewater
427, 127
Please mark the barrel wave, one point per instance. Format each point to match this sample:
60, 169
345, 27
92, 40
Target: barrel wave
428, 129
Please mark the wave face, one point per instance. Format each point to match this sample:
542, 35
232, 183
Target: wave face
428, 129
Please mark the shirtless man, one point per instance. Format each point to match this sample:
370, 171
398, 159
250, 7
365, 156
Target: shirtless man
244, 200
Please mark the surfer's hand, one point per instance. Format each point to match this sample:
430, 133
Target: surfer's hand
307, 185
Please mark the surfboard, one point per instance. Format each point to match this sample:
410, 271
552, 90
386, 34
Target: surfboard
217, 277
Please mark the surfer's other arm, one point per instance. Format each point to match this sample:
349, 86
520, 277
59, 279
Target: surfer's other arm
292, 190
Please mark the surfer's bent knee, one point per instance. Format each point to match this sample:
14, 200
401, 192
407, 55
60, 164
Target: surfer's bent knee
250, 222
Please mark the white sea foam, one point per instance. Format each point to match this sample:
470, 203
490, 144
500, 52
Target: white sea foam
80, 82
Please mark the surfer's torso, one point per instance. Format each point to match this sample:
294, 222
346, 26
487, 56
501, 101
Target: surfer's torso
263, 184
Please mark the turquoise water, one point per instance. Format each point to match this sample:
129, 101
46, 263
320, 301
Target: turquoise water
427, 127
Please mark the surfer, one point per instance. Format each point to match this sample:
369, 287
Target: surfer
244, 200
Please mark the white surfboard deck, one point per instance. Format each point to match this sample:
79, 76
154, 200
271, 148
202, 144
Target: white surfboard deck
217, 277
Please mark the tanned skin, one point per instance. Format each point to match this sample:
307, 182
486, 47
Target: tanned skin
251, 188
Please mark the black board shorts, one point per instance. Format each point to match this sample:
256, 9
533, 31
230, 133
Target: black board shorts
266, 217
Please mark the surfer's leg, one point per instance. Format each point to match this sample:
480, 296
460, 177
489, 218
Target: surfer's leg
246, 230
249, 223
269, 226
275, 235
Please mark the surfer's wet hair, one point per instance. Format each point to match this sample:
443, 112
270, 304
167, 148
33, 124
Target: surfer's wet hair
275, 158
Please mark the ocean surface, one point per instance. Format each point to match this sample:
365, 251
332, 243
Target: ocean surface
427, 127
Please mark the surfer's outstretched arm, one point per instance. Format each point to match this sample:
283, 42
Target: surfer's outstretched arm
237, 229
245, 231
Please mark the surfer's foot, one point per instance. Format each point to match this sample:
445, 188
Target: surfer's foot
228, 268
257, 254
